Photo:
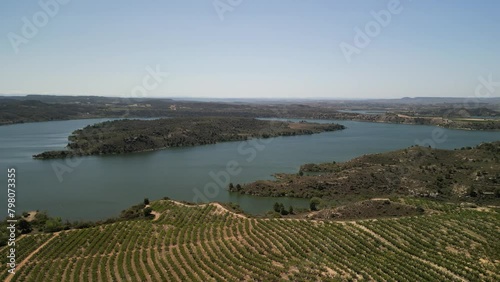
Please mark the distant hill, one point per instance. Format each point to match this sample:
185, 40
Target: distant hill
34, 108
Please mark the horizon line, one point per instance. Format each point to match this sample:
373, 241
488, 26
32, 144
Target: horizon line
249, 98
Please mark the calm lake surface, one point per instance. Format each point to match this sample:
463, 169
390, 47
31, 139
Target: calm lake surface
99, 187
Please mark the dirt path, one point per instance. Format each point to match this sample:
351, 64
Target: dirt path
223, 209
66, 272
22, 263
32, 216
156, 214
117, 274
371, 232
153, 265
219, 207
186, 205
163, 256
380, 199
145, 270
383, 240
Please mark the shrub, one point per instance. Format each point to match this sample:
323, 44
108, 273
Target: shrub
314, 203
147, 212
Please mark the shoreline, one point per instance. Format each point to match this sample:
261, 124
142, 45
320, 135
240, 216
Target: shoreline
494, 120
118, 137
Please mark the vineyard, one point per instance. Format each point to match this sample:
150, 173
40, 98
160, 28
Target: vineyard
209, 243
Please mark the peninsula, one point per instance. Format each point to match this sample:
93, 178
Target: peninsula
470, 173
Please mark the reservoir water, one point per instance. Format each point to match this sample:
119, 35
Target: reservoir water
98, 187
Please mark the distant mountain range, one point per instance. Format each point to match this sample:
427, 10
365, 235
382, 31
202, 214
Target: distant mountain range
405, 100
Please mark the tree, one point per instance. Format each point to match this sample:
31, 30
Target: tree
290, 210
231, 186
53, 225
314, 203
471, 191
4, 239
283, 211
147, 212
146, 201
40, 219
276, 207
25, 226
301, 173
238, 187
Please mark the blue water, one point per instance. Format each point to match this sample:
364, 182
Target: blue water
98, 187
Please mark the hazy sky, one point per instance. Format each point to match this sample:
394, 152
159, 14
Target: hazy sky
249, 48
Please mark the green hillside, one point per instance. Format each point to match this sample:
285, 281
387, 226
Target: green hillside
209, 243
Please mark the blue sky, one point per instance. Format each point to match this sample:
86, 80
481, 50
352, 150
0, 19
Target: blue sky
260, 48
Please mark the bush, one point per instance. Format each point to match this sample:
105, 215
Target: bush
314, 203
147, 212
276, 207
53, 225
25, 226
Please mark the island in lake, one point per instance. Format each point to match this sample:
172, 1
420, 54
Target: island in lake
127, 136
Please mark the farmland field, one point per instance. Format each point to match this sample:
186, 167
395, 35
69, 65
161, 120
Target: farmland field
209, 243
